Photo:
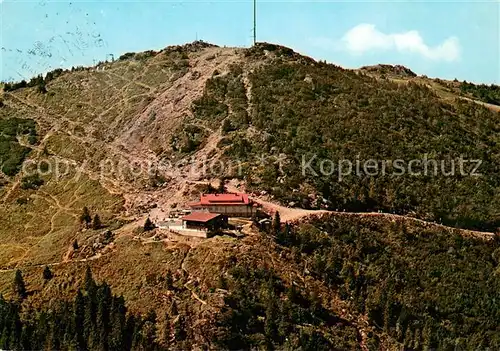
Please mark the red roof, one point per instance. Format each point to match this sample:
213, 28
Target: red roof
200, 217
194, 204
231, 199
224, 199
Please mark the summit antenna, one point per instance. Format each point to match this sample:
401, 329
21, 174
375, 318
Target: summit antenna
254, 22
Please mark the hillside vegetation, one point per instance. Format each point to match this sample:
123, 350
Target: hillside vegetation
302, 112
12, 152
426, 288
483, 92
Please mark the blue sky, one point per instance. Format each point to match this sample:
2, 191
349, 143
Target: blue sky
440, 39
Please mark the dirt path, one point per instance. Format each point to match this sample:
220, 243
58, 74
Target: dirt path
53, 264
494, 108
288, 214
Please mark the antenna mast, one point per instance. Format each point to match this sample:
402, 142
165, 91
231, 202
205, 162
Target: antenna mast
254, 21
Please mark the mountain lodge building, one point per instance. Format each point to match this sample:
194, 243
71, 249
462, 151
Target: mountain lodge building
232, 204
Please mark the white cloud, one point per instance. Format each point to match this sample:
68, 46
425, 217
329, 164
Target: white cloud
365, 37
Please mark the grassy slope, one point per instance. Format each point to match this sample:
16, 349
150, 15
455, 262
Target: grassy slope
82, 112
39, 225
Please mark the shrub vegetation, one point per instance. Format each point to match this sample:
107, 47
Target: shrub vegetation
426, 288
12, 153
323, 112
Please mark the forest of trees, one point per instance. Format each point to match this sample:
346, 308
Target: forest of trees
12, 154
323, 111
94, 320
38, 81
274, 316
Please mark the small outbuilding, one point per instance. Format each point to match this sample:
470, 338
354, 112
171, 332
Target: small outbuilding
230, 204
204, 221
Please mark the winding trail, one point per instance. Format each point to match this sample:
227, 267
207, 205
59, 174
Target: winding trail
288, 214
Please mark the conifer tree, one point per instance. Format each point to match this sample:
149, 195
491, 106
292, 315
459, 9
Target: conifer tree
174, 311
180, 329
148, 225
27, 337
41, 87
15, 332
108, 236
79, 317
102, 316
85, 217
66, 333
496, 236
47, 274
292, 294
270, 325
129, 332
117, 324
276, 223
149, 329
89, 284
137, 338
167, 329
96, 222
4, 337
89, 328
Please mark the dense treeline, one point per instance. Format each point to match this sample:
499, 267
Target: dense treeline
94, 320
483, 92
272, 316
426, 288
260, 312
323, 113
39, 81
12, 153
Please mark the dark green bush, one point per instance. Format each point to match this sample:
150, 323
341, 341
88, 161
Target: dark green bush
12, 154
483, 92
31, 182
